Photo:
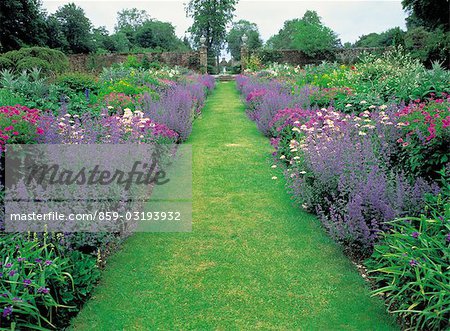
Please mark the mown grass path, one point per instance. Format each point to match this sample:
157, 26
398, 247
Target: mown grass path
252, 261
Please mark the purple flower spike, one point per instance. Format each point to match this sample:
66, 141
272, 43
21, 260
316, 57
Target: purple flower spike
43, 290
38, 260
27, 282
7, 311
48, 262
12, 273
8, 265
448, 238
413, 263
21, 259
415, 234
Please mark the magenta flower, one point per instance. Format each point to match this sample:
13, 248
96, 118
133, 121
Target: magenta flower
415, 234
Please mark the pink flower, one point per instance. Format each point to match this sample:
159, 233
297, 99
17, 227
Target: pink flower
446, 122
39, 131
9, 128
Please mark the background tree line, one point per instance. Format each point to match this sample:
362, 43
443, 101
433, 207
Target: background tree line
25, 23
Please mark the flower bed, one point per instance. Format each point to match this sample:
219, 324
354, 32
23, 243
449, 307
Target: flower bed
361, 146
46, 277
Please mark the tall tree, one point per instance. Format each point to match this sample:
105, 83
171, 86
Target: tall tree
75, 27
431, 14
211, 18
307, 34
22, 23
158, 35
234, 38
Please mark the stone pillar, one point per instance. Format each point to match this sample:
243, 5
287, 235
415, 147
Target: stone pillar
244, 57
203, 59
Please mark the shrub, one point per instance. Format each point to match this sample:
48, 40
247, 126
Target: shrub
30, 63
78, 82
5, 63
48, 60
410, 266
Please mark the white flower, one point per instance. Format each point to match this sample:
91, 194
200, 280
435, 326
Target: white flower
293, 149
296, 122
274, 166
110, 107
295, 129
282, 157
67, 115
348, 105
372, 107
296, 157
382, 107
274, 177
363, 102
362, 133
304, 127
305, 206
302, 172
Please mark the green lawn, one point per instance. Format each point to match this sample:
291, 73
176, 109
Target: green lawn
252, 261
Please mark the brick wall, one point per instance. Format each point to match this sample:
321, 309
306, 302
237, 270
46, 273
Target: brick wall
95, 63
296, 57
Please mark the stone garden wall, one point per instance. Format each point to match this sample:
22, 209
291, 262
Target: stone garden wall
95, 63
296, 57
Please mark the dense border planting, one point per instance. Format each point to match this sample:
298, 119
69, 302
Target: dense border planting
363, 146
46, 277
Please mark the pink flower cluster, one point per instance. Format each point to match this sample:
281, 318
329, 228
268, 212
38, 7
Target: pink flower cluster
16, 121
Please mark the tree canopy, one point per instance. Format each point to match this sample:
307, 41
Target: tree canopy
211, 18
431, 14
234, 38
22, 23
307, 34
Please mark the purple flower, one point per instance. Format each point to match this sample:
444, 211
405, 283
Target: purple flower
21, 259
17, 299
7, 311
38, 260
413, 263
43, 290
415, 234
27, 282
48, 262
5, 295
448, 237
8, 265
1, 274
12, 273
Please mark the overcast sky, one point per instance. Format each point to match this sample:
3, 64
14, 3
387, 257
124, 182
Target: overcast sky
349, 19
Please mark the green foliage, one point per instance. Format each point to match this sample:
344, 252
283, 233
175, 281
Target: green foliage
307, 34
391, 37
46, 59
74, 28
23, 23
7, 98
234, 38
32, 63
37, 280
428, 13
78, 82
410, 266
5, 63
211, 18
